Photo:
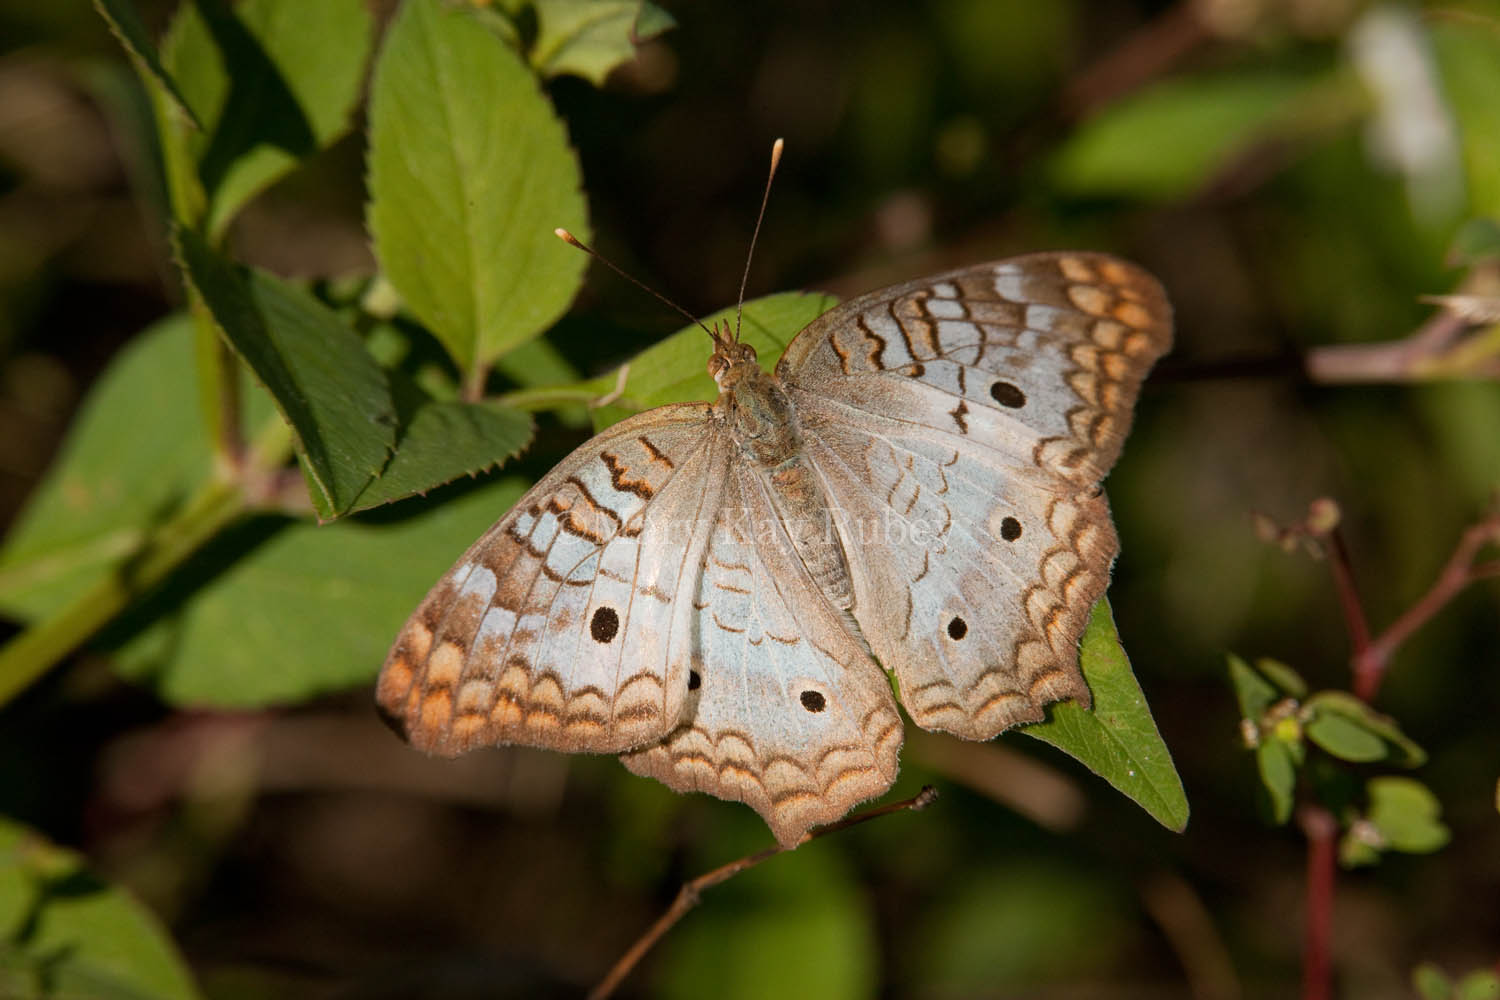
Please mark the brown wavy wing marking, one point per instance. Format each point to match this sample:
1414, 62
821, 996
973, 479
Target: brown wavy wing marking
977, 411
786, 712
1052, 347
555, 628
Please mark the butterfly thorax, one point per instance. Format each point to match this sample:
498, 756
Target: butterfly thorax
763, 423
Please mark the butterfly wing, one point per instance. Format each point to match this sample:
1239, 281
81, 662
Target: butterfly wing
964, 423
787, 711
568, 624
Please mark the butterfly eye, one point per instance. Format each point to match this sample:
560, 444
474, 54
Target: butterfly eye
814, 701
604, 624
957, 628
1007, 394
716, 366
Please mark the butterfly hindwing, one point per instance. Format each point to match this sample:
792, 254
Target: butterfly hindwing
786, 712
563, 626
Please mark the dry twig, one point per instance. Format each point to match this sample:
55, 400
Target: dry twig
691, 892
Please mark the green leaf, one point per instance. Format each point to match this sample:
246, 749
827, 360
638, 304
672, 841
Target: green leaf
273, 81
1168, 141
1283, 676
1431, 982
125, 24
1468, 58
1399, 747
1118, 739
1355, 852
325, 383
114, 478
285, 610
1345, 738
652, 21
441, 441
1406, 814
589, 38
1278, 776
470, 171
1254, 693
676, 369
1481, 984
78, 936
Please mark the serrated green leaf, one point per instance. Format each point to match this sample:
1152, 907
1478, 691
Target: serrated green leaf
1167, 141
1117, 739
1345, 738
325, 383
1396, 744
125, 24
1254, 693
443, 441
115, 478
1406, 814
1278, 776
273, 81
82, 937
589, 38
470, 172
676, 368
1283, 676
292, 609
1468, 58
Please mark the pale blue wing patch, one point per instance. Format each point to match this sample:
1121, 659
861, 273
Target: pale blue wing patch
786, 712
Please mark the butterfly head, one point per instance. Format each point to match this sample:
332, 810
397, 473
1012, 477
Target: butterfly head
731, 360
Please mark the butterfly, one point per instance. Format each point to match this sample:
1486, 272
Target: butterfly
717, 591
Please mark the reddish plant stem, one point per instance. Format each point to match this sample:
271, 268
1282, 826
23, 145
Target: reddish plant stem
1343, 580
1321, 830
1371, 660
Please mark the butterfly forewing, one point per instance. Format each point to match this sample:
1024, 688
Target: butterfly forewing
562, 627
963, 423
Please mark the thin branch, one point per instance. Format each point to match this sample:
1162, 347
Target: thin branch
1343, 580
1435, 349
691, 892
1321, 830
1460, 571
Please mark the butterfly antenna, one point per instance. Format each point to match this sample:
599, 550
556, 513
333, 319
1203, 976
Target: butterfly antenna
740, 306
568, 237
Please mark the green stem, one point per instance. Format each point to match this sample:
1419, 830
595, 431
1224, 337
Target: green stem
40, 647
548, 397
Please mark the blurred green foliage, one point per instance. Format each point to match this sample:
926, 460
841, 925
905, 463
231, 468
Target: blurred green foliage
1298, 172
